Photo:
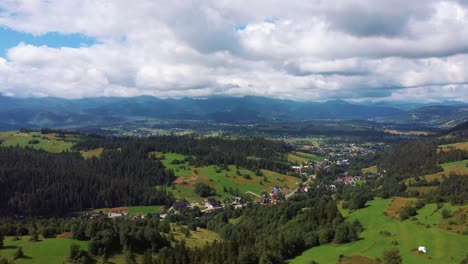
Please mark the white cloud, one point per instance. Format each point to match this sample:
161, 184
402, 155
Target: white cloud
304, 50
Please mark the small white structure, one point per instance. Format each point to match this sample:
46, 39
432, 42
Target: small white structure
422, 249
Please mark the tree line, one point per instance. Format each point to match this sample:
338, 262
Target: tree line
35, 182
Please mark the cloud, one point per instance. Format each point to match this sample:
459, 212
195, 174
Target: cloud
302, 50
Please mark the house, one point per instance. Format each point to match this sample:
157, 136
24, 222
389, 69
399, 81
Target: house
212, 203
345, 180
181, 204
275, 192
265, 199
116, 215
237, 200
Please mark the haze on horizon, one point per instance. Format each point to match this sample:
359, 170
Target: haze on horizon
301, 50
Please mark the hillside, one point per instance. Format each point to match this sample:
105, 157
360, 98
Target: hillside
380, 231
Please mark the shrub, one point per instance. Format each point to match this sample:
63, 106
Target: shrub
407, 212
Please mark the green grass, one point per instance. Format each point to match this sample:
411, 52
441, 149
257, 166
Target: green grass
46, 251
48, 142
197, 238
216, 177
185, 192
144, 210
303, 157
371, 169
314, 141
92, 153
220, 179
443, 246
179, 169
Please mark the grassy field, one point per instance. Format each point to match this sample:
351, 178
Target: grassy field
448, 147
46, 251
197, 238
144, 210
458, 167
411, 133
443, 246
179, 169
49, 142
302, 157
220, 179
371, 169
92, 153
431, 214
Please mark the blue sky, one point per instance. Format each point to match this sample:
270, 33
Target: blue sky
10, 38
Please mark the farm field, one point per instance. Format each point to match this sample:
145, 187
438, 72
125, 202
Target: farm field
460, 145
305, 141
371, 169
443, 246
49, 142
49, 250
221, 180
411, 133
302, 157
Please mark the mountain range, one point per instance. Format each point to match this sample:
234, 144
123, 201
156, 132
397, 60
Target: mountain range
61, 113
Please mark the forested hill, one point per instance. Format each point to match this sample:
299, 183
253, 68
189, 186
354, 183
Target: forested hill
35, 182
459, 131
251, 153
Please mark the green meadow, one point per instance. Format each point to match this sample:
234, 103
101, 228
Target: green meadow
48, 142
144, 210
302, 157
221, 180
371, 169
92, 153
443, 246
46, 251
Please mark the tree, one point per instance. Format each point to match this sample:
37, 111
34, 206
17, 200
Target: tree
3, 260
342, 233
204, 190
18, 253
1, 239
147, 257
446, 214
407, 212
74, 251
392, 256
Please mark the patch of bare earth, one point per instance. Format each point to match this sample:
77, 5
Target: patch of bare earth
356, 259
395, 206
65, 235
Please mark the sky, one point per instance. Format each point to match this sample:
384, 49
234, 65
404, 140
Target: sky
311, 50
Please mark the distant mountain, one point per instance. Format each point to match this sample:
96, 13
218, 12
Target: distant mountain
436, 115
57, 112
